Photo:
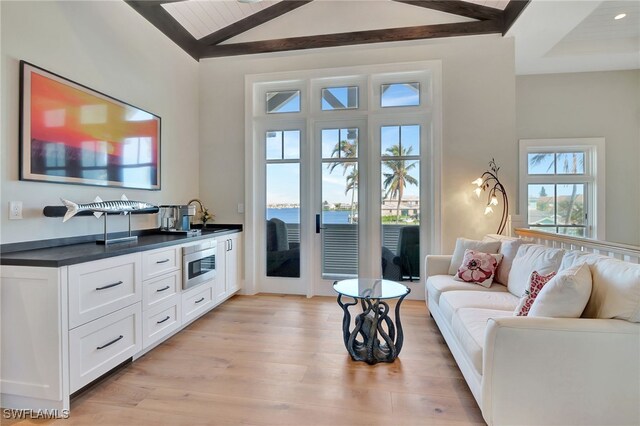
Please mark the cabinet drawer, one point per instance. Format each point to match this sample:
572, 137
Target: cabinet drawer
158, 290
161, 321
101, 345
161, 261
101, 287
197, 301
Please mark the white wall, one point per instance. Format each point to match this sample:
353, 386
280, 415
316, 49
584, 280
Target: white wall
594, 104
478, 124
111, 48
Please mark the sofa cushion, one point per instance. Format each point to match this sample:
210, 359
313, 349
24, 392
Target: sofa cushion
508, 249
565, 296
468, 326
437, 284
532, 257
577, 257
616, 290
536, 283
451, 301
463, 244
478, 268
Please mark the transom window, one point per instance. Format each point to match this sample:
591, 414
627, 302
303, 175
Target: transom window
283, 101
337, 98
399, 95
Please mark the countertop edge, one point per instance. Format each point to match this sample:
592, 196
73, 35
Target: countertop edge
6, 259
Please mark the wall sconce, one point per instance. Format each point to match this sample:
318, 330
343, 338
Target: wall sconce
489, 181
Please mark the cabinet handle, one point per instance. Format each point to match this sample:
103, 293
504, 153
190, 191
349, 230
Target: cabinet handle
230, 245
161, 321
109, 286
110, 343
198, 301
162, 261
163, 289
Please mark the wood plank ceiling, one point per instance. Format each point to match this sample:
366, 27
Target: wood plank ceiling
245, 16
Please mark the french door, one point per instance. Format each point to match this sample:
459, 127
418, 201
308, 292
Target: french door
341, 181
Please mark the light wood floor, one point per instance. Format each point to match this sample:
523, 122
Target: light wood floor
271, 359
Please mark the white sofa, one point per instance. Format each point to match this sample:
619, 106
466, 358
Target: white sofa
543, 371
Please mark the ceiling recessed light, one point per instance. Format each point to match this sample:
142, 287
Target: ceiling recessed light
620, 16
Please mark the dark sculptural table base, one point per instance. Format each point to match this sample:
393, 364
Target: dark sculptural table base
370, 327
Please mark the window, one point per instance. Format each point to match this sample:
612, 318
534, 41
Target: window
283, 101
399, 95
337, 98
559, 187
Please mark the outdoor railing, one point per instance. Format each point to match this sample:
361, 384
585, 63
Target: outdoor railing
341, 245
619, 251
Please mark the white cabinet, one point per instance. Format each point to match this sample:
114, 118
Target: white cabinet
158, 290
100, 345
161, 261
197, 301
103, 286
162, 320
228, 270
61, 328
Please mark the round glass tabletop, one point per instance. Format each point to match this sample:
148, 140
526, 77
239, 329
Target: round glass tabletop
370, 288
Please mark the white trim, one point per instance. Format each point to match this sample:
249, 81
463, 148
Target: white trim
427, 73
594, 175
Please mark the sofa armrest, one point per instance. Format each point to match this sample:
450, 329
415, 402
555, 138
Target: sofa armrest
437, 264
561, 371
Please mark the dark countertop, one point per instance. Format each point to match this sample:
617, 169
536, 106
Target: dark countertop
71, 254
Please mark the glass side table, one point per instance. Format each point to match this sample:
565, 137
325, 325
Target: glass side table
370, 324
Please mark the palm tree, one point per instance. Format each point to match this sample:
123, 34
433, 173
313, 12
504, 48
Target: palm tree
396, 181
347, 149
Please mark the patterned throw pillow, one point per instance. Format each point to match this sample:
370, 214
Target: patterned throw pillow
478, 267
536, 282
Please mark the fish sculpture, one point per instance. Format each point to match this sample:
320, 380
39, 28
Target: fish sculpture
99, 207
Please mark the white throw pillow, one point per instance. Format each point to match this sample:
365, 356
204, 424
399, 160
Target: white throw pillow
508, 249
532, 257
463, 244
616, 290
565, 296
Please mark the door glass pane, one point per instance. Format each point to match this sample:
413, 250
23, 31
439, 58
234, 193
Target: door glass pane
541, 163
570, 163
541, 205
283, 101
339, 203
336, 98
570, 200
400, 206
283, 220
399, 94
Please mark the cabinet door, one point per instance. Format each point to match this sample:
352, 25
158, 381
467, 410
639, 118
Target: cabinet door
232, 273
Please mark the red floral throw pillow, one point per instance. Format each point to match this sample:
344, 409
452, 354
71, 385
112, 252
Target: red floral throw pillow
536, 282
478, 267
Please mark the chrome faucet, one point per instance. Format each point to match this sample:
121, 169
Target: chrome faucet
205, 216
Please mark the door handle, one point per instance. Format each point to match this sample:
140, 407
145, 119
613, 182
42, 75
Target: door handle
318, 227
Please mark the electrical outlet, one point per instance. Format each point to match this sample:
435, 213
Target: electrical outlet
15, 210
240, 208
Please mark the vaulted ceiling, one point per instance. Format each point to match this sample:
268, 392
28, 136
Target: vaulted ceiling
214, 28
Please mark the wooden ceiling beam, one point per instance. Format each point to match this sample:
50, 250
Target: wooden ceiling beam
512, 12
252, 21
358, 37
153, 12
460, 8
